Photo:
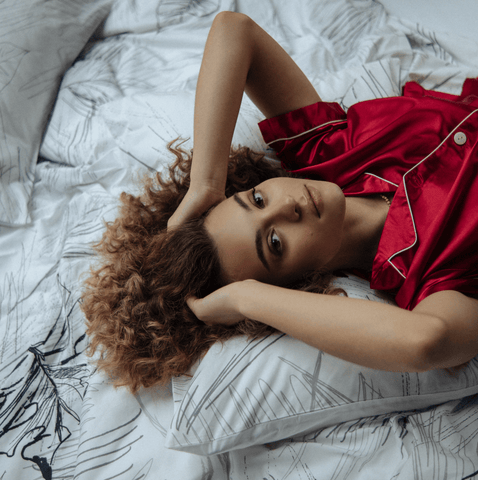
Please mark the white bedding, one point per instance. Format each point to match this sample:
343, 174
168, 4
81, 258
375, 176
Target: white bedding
118, 106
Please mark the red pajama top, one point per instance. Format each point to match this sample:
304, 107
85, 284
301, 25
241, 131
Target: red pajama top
423, 147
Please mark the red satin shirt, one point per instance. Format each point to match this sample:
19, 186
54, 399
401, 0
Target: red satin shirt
422, 146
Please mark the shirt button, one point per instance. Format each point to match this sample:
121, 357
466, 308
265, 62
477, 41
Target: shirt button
460, 138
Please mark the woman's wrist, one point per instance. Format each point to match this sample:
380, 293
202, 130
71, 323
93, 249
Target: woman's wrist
206, 196
248, 293
209, 175
207, 188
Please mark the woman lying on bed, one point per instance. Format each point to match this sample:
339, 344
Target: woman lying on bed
388, 189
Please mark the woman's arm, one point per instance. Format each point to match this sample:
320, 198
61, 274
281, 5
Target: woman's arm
441, 332
239, 57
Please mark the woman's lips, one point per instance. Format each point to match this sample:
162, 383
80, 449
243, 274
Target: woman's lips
316, 199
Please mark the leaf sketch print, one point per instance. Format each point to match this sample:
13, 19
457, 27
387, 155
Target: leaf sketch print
37, 389
10, 59
172, 12
108, 452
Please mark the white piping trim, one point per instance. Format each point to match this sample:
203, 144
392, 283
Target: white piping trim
396, 268
406, 191
384, 179
304, 133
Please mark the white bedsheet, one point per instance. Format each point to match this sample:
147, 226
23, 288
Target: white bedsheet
457, 18
117, 109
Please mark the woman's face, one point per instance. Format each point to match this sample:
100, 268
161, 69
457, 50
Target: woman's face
279, 230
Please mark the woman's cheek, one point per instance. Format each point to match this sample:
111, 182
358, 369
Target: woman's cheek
310, 241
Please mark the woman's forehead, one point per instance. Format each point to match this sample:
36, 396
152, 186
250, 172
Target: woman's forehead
235, 239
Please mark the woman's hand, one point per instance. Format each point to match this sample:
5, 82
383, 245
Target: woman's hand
221, 306
194, 204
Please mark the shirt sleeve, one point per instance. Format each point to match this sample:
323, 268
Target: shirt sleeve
306, 133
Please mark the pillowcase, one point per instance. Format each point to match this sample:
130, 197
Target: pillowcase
248, 392
39, 41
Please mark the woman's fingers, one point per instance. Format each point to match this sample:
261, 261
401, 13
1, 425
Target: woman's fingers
194, 303
217, 308
191, 301
194, 204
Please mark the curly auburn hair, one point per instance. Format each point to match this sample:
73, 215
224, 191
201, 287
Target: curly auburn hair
136, 313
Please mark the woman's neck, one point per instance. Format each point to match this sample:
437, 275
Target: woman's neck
363, 226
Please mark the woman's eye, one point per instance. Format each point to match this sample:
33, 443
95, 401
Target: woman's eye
276, 243
258, 199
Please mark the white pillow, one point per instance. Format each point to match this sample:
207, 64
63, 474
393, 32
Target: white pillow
249, 392
39, 41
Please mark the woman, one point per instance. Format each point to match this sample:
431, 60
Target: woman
285, 231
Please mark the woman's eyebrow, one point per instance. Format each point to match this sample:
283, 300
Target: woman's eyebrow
241, 202
259, 248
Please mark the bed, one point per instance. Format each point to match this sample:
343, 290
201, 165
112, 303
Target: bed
91, 92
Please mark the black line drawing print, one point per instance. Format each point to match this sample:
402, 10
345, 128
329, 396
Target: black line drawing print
171, 13
11, 57
36, 389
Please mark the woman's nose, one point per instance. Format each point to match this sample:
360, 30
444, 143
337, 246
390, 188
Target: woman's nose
286, 208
